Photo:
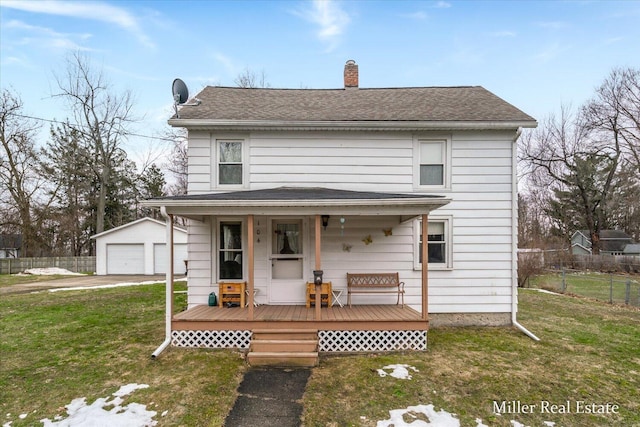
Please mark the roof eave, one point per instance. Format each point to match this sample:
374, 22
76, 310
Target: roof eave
352, 124
412, 206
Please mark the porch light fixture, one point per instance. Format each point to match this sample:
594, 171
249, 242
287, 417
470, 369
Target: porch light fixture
325, 221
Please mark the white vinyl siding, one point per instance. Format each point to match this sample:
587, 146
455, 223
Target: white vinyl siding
478, 180
199, 273
161, 258
349, 161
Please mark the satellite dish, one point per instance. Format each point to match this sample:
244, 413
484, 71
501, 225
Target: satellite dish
181, 95
180, 91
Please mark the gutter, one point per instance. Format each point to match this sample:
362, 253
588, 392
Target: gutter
514, 240
168, 287
409, 125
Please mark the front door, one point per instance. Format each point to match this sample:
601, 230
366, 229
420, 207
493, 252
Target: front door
287, 261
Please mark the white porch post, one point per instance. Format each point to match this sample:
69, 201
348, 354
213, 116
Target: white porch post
168, 283
318, 267
425, 267
251, 262
170, 272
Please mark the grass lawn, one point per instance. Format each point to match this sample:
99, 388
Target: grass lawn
14, 279
600, 286
55, 347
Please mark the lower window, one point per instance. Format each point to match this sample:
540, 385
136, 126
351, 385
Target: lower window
438, 241
230, 250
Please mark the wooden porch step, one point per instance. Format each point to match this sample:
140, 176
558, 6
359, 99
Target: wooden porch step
266, 358
293, 345
284, 334
283, 347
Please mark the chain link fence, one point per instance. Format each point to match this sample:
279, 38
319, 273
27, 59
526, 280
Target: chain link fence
609, 287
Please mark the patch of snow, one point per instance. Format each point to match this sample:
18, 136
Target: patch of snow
439, 418
397, 371
544, 291
49, 271
131, 415
435, 418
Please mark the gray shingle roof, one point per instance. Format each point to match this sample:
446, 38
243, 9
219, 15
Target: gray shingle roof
297, 193
430, 104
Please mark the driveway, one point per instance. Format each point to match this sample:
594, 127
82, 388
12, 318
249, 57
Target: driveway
78, 281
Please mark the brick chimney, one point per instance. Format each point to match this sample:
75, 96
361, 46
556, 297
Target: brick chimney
351, 75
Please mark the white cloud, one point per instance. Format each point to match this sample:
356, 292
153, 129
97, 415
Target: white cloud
226, 62
97, 11
550, 53
330, 19
442, 5
48, 38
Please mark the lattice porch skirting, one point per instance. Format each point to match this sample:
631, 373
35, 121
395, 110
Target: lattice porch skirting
329, 341
355, 341
211, 339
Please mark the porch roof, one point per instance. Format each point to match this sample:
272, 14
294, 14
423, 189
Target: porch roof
299, 201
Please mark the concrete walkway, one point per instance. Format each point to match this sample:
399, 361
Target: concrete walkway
77, 281
269, 397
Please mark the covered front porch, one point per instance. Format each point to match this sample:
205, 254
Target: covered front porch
364, 327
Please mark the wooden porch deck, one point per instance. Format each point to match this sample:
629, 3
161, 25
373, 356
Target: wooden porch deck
357, 317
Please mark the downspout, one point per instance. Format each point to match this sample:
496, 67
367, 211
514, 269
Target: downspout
168, 285
514, 239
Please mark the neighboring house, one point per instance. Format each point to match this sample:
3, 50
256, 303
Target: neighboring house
139, 247
283, 182
632, 250
612, 242
10, 245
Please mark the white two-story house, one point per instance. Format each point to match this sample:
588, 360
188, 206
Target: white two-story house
285, 182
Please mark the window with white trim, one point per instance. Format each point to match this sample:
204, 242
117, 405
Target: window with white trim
431, 163
230, 170
439, 248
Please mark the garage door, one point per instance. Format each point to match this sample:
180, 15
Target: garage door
160, 258
125, 259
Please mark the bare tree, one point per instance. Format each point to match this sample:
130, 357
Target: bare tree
613, 114
21, 185
101, 117
178, 164
563, 158
249, 79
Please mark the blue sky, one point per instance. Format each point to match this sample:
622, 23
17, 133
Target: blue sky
536, 55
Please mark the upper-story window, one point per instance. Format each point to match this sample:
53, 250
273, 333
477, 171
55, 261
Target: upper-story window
230, 168
431, 160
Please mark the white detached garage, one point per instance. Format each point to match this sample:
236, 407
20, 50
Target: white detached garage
139, 247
